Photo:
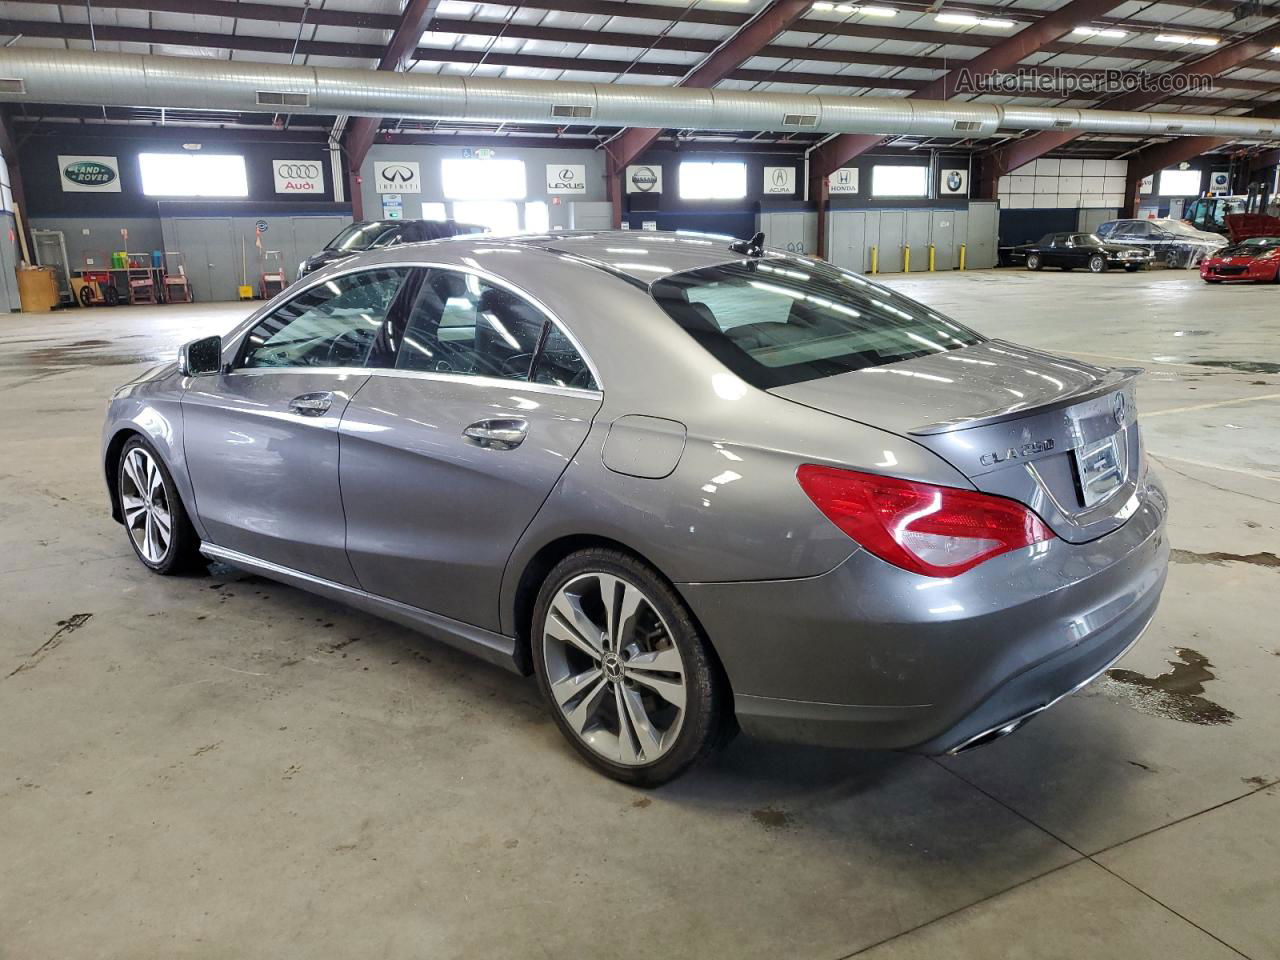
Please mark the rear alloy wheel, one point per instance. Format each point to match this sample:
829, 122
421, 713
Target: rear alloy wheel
624, 670
159, 531
1033, 261
1097, 263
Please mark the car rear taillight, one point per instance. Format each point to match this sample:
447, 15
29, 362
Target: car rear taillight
927, 529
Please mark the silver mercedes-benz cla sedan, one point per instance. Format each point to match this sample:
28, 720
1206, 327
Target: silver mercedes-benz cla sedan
689, 484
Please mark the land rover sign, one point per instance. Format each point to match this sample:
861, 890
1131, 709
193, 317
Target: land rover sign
89, 174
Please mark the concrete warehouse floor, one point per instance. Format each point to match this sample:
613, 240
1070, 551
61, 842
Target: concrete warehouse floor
224, 767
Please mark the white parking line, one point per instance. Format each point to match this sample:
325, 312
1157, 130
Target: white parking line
1146, 415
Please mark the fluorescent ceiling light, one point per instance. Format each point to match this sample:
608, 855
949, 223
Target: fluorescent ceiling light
1275, 49
878, 11
1100, 32
824, 6
967, 20
1183, 38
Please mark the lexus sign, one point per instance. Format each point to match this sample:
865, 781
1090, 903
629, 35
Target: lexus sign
397, 176
566, 178
298, 176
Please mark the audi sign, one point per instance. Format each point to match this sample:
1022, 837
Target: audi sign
298, 176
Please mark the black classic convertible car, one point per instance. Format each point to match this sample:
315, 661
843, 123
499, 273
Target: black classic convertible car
1087, 250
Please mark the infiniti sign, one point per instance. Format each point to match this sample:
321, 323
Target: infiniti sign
397, 176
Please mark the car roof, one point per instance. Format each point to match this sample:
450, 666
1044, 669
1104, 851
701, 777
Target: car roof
639, 256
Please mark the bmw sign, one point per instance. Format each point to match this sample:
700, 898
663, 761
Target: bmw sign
954, 182
566, 178
89, 174
397, 176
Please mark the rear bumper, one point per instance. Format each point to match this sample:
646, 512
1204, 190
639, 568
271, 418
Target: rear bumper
875, 657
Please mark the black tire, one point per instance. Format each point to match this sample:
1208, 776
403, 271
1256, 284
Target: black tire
111, 295
86, 296
183, 551
1097, 263
1033, 261
1173, 260
707, 723
1132, 267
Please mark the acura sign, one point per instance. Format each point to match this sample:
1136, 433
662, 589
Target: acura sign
397, 176
298, 176
566, 178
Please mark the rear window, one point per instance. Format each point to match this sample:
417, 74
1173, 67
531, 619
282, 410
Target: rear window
360, 236
775, 322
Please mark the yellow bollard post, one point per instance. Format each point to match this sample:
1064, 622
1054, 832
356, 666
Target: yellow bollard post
875, 259
906, 258
962, 256
931, 258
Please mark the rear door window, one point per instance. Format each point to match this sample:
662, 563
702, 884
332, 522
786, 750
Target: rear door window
464, 325
775, 322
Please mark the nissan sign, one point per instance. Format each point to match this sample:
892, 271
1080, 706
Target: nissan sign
566, 178
397, 176
89, 174
644, 179
298, 176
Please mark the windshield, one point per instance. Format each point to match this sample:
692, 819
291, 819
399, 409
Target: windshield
359, 236
1179, 226
780, 321
1252, 247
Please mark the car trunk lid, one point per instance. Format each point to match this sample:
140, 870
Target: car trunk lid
1058, 435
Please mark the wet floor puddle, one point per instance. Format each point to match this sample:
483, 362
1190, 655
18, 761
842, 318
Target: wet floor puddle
1243, 366
1218, 558
1175, 695
96, 353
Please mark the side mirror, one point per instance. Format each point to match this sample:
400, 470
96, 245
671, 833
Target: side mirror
200, 357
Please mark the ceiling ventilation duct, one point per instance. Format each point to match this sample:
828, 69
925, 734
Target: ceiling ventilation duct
37, 75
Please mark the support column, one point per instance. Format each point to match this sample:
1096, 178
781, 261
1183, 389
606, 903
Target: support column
614, 187
356, 194
818, 193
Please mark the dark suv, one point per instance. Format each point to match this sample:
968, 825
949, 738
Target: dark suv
375, 234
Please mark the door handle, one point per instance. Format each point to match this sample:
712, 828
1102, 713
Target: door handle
312, 404
498, 434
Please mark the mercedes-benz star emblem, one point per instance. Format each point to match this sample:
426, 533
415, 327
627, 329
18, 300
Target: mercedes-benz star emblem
1119, 408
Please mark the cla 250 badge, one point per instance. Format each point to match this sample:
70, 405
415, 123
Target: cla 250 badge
1016, 453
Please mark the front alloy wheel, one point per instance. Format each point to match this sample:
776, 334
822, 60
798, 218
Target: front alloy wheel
624, 671
1097, 263
159, 531
1033, 261
145, 505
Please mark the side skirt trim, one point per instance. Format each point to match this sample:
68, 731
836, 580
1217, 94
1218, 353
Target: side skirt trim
493, 647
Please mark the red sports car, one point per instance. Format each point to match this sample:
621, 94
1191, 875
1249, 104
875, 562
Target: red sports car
1256, 259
